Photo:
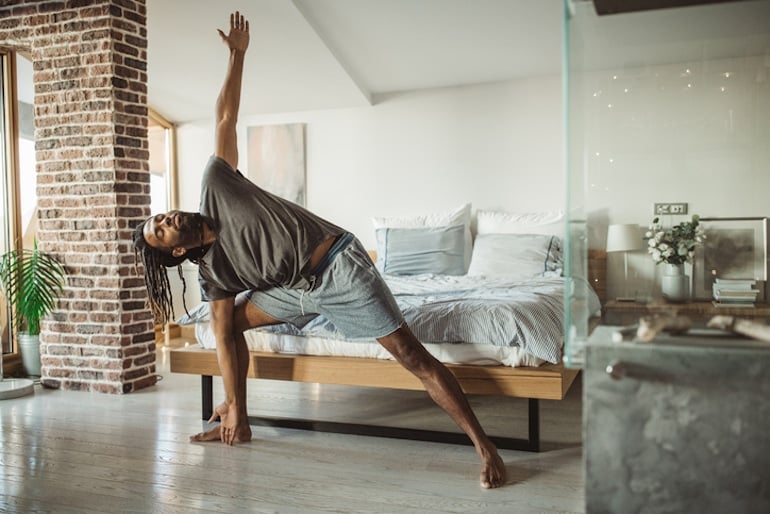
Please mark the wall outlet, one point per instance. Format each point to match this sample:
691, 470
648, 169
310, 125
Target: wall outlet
670, 208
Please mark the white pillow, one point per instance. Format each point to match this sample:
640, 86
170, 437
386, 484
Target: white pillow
458, 216
518, 256
499, 222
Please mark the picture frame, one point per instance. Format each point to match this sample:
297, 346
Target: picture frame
276, 160
734, 248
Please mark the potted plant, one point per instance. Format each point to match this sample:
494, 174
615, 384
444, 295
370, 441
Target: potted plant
32, 282
674, 247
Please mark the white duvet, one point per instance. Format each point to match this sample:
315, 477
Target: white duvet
513, 322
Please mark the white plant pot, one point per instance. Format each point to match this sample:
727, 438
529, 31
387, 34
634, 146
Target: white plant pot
675, 285
29, 346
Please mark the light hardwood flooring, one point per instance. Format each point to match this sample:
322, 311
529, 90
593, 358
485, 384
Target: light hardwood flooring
64, 451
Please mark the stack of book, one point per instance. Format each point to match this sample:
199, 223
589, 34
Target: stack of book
735, 292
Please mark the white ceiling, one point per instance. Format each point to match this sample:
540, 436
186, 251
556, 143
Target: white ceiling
329, 54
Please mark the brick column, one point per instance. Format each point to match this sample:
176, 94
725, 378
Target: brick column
90, 61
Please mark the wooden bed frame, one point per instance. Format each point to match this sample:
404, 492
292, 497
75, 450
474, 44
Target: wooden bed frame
548, 382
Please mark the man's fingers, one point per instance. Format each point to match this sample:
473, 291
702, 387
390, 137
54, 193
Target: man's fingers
214, 417
238, 22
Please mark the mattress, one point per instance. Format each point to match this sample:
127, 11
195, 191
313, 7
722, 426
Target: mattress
449, 353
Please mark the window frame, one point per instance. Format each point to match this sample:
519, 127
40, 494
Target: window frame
172, 186
11, 201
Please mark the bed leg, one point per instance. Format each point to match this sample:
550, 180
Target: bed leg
534, 424
207, 397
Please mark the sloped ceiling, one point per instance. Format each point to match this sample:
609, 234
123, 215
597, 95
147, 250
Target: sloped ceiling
331, 54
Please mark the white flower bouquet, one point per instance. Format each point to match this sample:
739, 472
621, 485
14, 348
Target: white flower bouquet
674, 245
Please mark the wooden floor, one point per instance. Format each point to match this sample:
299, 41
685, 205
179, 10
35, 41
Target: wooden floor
64, 452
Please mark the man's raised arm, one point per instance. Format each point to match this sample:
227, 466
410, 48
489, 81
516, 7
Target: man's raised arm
229, 99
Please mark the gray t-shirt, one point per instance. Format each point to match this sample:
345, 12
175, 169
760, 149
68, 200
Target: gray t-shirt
262, 241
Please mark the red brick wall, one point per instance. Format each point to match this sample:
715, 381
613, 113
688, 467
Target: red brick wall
90, 75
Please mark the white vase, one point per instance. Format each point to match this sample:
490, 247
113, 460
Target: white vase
675, 285
29, 346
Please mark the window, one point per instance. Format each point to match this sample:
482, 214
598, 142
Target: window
18, 199
163, 189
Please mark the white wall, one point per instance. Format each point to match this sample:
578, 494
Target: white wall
696, 132
498, 146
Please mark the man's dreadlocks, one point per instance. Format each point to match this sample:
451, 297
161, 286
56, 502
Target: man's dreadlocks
155, 264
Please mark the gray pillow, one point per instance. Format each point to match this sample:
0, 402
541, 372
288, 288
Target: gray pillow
412, 251
199, 314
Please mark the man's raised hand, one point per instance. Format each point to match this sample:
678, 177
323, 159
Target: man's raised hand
238, 37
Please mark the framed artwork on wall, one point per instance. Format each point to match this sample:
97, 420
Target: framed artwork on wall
276, 160
734, 248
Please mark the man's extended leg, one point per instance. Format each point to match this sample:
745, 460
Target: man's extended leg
442, 386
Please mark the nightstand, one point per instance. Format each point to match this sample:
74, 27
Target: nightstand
628, 313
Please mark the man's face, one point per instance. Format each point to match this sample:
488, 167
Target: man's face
174, 231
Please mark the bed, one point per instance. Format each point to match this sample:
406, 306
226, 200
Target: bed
491, 309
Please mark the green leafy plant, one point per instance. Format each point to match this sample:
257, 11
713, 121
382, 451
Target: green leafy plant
32, 281
674, 245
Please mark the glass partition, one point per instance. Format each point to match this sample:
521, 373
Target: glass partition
668, 116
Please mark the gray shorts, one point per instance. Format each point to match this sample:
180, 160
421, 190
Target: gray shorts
350, 293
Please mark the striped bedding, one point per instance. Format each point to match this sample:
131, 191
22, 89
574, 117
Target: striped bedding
527, 316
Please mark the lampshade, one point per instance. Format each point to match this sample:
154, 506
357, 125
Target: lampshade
624, 238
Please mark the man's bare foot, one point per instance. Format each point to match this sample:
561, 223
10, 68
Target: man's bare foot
243, 435
492, 470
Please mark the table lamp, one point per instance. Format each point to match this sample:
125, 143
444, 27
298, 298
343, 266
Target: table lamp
624, 238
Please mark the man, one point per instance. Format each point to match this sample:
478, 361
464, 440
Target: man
296, 266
